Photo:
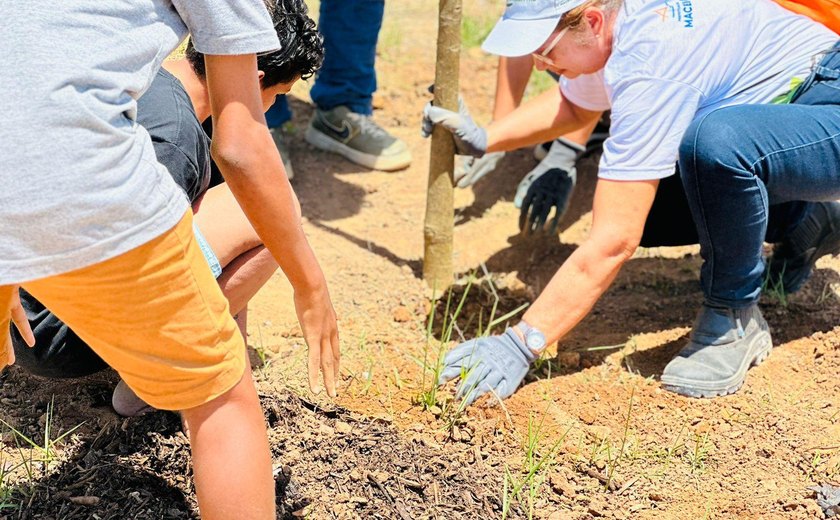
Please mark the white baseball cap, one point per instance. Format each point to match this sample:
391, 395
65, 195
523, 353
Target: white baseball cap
526, 25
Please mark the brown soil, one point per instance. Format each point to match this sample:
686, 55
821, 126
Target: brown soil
614, 444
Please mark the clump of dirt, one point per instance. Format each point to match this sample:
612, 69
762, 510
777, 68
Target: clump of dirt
370, 470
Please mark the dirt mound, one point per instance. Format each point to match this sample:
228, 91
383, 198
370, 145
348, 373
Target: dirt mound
328, 464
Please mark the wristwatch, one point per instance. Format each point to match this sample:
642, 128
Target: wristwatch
534, 338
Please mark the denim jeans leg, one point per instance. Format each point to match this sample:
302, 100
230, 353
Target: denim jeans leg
738, 161
279, 113
348, 77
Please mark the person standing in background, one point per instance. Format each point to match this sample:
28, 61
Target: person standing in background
343, 91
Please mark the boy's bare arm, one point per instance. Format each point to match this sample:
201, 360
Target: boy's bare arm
252, 168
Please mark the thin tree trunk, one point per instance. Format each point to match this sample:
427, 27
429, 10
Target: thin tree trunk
437, 263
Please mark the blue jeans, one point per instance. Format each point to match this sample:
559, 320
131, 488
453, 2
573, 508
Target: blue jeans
749, 173
347, 77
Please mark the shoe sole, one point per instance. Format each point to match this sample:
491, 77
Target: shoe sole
324, 142
764, 345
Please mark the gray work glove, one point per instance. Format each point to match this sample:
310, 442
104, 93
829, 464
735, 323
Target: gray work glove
495, 363
549, 185
470, 139
471, 169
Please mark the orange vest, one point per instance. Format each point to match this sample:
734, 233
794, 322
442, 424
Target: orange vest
827, 12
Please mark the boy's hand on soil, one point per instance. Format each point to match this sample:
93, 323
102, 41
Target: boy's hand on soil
495, 363
21, 321
320, 331
470, 139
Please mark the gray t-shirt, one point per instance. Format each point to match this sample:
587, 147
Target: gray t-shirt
78, 176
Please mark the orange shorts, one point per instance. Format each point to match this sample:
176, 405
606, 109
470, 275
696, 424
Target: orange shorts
155, 314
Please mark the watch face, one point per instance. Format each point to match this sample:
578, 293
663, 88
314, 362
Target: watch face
535, 340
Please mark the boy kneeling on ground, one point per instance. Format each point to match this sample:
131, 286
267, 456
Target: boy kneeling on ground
172, 111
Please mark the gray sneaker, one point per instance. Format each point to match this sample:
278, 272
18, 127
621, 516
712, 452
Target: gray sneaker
816, 236
358, 138
724, 344
280, 143
126, 403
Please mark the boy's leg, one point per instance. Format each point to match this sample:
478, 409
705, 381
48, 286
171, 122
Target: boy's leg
242, 278
231, 458
158, 317
246, 264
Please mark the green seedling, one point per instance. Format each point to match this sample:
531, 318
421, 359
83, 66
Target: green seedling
493, 321
601, 447
398, 382
534, 468
431, 368
674, 447
259, 349
47, 452
433, 358
612, 464
5, 490
829, 292
698, 455
775, 289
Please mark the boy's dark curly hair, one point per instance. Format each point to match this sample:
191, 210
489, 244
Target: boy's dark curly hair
301, 45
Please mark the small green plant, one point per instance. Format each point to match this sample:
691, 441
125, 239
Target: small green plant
47, 452
493, 322
774, 288
433, 358
5, 490
534, 469
674, 448
432, 362
698, 455
259, 349
612, 464
829, 292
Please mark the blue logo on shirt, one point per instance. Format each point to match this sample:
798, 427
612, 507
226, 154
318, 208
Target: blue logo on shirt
679, 10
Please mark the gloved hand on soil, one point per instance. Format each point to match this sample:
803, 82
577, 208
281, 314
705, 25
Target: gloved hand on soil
495, 364
470, 139
828, 498
549, 185
472, 169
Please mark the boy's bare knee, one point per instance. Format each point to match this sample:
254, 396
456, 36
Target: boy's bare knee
243, 395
